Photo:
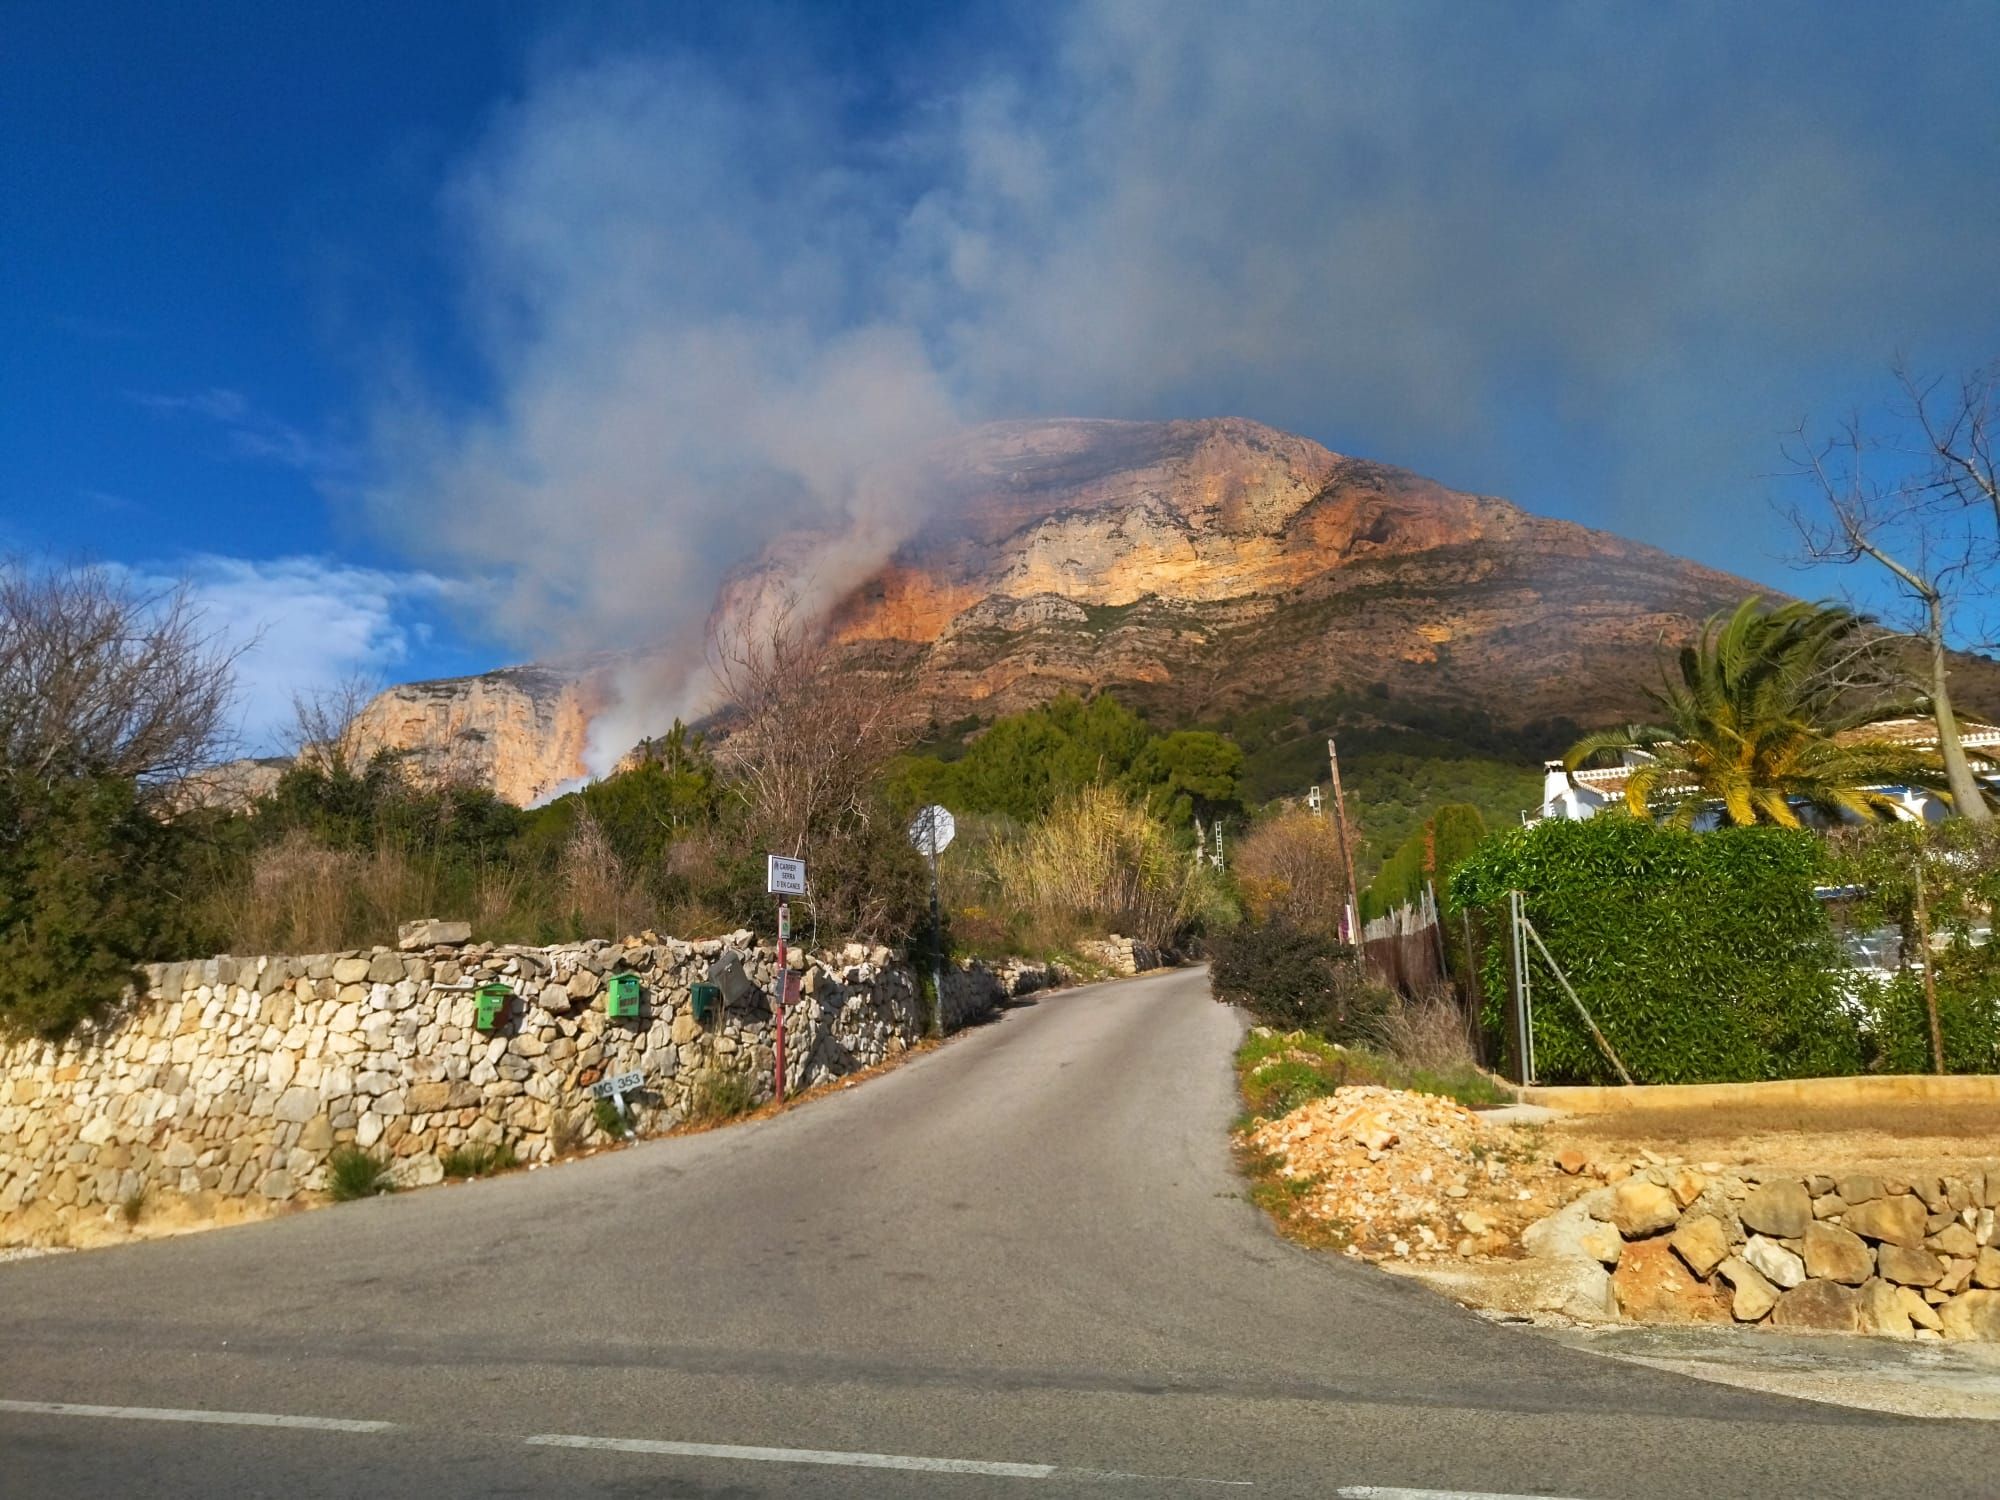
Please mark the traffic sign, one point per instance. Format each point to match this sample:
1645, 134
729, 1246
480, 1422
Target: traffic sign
784, 877
932, 830
624, 1083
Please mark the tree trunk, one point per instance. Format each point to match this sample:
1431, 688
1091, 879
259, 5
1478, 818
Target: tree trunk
1967, 800
1930, 978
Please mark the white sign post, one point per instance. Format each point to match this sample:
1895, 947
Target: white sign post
782, 877
932, 831
615, 1089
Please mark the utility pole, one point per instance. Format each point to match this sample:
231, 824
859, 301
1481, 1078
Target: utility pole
1346, 854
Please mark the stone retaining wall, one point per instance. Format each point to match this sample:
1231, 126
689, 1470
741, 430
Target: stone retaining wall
232, 1080
1911, 1255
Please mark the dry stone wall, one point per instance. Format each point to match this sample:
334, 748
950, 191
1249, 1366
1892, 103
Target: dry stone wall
233, 1080
1909, 1255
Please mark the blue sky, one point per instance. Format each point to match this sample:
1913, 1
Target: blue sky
426, 337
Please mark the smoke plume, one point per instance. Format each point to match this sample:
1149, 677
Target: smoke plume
1594, 258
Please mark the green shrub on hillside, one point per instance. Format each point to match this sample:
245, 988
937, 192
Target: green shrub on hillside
1294, 979
1704, 957
88, 879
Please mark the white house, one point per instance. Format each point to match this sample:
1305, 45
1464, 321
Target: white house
1574, 795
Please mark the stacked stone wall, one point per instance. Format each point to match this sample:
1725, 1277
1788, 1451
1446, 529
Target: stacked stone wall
1909, 1254
231, 1081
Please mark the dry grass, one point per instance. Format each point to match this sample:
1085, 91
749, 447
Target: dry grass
1101, 856
1429, 1033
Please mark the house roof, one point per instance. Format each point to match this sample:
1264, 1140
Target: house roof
1919, 733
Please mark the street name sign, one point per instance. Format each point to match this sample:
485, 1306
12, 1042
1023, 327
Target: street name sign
784, 877
624, 1083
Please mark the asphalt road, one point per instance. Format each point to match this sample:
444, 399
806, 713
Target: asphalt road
1021, 1265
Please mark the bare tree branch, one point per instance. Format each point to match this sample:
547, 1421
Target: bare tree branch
99, 677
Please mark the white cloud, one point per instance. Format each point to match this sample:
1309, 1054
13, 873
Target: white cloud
253, 433
1613, 250
304, 625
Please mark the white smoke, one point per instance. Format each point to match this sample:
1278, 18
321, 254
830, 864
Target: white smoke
1596, 258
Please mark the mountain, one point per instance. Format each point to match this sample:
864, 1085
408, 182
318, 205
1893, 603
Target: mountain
1202, 570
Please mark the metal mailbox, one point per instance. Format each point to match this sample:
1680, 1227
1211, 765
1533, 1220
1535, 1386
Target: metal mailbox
493, 1003
705, 1000
623, 996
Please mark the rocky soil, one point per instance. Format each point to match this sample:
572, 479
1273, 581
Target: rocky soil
1505, 1219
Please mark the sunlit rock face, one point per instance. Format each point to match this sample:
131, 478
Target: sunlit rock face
1193, 567
519, 731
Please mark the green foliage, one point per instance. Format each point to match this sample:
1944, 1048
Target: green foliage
720, 1096
1276, 1072
1026, 763
1762, 723
1432, 852
1703, 957
671, 790
480, 1160
87, 877
352, 1173
610, 1123
1292, 978
1958, 865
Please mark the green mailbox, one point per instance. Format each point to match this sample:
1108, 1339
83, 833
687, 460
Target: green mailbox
493, 1001
706, 1002
622, 997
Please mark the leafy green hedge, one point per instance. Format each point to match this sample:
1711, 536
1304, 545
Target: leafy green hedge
1704, 957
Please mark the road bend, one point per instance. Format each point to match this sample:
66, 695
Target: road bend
1022, 1264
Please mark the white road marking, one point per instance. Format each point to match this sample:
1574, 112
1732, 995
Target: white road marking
799, 1456
1391, 1492
844, 1459
215, 1418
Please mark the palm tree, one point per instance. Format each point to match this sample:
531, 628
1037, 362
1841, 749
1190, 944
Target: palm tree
1761, 723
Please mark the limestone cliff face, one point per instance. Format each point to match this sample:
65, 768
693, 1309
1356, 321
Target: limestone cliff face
1201, 566
520, 731
1195, 568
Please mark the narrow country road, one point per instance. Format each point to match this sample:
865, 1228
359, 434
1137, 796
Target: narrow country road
1021, 1265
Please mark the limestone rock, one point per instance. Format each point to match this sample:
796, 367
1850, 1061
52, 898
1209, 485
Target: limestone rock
1896, 1221
1837, 1254
1754, 1297
350, 970
1908, 1267
1954, 1240
1573, 1233
1858, 1187
429, 932
1922, 1314
1640, 1208
1775, 1261
1653, 1286
1971, 1315
1686, 1184
1701, 1241
1818, 1304
1986, 1269
1780, 1209
1882, 1310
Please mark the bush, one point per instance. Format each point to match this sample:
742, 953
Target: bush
480, 1160
609, 1119
1290, 870
352, 1173
84, 872
1100, 856
1704, 957
1294, 979
720, 1096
